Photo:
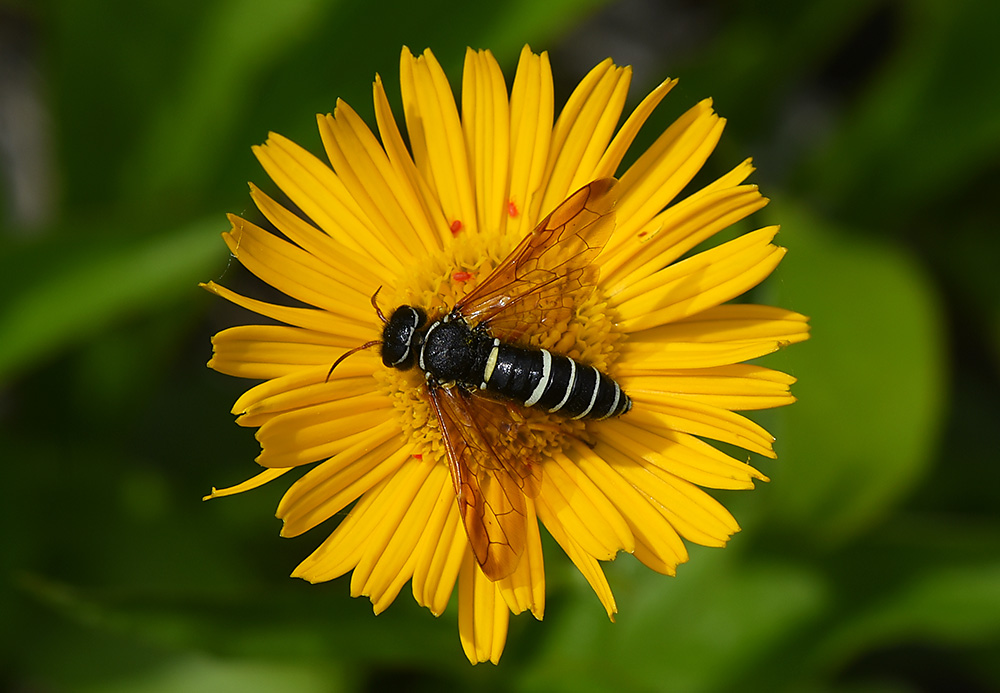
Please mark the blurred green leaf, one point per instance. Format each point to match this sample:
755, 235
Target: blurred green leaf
701, 631
941, 604
303, 627
61, 290
233, 44
322, 52
202, 674
524, 21
756, 39
871, 379
928, 125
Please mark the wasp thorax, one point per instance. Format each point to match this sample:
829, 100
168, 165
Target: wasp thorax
449, 351
398, 349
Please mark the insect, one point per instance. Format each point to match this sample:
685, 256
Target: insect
477, 375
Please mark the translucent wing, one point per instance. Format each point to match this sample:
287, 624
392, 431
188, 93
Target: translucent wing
486, 454
549, 271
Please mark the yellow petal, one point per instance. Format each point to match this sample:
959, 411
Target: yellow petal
698, 283
583, 131
653, 560
389, 552
646, 522
682, 455
436, 136
354, 268
342, 550
333, 485
531, 113
253, 482
676, 414
524, 589
298, 437
583, 510
718, 336
306, 396
303, 382
737, 322
731, 179
296, 273
321, 195
675, 231
663, 170
308, 318
386, 197
482, 614
399, 156
439, 552
486, 123
693, 513
582, 559
626, 135
740, 387
249, 347
642, 358
699, 271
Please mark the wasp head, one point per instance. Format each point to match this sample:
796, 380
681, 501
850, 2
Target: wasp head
400, 337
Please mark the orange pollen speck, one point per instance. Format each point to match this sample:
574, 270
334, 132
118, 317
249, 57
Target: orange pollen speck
512, 209
461, 276
641, 234
456, 226
418, 457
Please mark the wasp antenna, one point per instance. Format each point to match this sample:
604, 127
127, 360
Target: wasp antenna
355, 350
375, 306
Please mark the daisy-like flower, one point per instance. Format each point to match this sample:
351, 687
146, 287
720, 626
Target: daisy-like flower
426, 222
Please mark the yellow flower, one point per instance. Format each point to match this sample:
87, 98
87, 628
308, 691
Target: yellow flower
425, 223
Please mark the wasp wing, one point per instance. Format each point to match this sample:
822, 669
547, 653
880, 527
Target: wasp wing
492, 478
550, 271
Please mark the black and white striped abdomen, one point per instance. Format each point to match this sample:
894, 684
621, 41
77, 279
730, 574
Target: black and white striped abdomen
536, 377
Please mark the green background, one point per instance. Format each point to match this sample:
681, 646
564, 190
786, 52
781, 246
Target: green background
871, 562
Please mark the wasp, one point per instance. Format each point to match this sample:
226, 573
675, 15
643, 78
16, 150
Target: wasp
476, 369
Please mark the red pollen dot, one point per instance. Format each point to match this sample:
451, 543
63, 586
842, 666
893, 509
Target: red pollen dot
456, 226
461, 276
418, 457
641, 234
512, 209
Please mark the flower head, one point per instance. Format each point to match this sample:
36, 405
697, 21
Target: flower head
425, 225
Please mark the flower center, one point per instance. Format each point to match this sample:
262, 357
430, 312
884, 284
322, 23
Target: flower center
436, 283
